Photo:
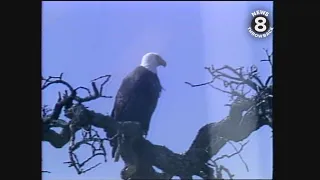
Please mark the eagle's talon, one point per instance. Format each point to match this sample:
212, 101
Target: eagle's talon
128, 171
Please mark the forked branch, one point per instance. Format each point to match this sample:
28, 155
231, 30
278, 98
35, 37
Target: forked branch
76, 123
96, 93
97, 148
246, 115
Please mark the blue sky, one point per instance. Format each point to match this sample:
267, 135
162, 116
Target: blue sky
85, 40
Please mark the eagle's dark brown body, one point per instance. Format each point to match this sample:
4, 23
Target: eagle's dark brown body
136, 99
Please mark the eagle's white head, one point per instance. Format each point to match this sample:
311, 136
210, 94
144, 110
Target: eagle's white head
151, 61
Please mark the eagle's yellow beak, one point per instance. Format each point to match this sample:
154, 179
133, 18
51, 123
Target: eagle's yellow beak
162, 62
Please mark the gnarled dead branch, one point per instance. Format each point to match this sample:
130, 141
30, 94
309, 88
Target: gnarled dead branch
246, 115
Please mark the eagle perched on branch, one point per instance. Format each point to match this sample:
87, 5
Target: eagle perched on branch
138, 95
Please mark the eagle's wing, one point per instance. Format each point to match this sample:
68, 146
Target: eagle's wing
138, 93
137, 98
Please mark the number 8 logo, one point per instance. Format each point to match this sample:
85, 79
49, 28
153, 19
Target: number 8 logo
260, 24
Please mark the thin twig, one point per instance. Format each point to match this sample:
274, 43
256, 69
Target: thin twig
55, 80
196, 85
45, 171
96, 94
227, 171
90, 141
87, 89
269, 57
235, 148
268, 80
229, 156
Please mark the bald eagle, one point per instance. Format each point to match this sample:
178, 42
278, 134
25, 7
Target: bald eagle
138, 95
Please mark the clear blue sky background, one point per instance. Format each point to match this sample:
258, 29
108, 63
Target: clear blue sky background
89, 39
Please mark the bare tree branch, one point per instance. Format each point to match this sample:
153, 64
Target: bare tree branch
268, 80
231, 155
239, 80
222, 168
246, 115
89, 140
207, 143
269, 55
97, 94
70, 128
238, 77
55, 80
202, 84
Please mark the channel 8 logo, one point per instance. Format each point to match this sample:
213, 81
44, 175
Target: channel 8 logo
260, 26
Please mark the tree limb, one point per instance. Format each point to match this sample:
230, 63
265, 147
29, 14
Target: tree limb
209, 140
246, 115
